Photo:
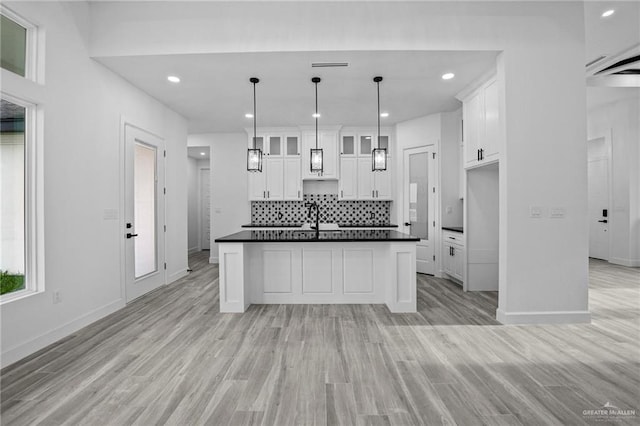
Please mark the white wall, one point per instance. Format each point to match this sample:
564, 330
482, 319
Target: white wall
620, 121
83, 105
230, 205
543, 263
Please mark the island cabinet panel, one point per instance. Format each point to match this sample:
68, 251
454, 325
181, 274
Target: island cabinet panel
233, 278
277, 271
317, 268
358, 271
318, 272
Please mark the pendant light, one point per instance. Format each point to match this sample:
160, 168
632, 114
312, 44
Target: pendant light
254, 156
316, 154
379, 155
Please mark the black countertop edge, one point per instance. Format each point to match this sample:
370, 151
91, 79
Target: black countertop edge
453, 228
293, 236
298, 225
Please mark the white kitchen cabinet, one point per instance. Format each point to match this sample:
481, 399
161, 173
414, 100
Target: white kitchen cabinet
453, 255
348, 185
280, 177
328, 141
482, 124
292, 179
373, 185
382, 184
366, 189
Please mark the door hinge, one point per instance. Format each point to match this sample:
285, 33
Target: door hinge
164, 153
434, 189
434, 257
434, 155
165, 266
434, 223
165, 228
164, 191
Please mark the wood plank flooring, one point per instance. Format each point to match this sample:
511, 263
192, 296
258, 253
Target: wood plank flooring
172, 358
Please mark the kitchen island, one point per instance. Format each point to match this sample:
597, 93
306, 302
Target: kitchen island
327, 267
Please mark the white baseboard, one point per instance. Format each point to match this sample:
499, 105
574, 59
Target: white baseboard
552, 317
25, 349
632, 263
213, 259
194, 250
177, 275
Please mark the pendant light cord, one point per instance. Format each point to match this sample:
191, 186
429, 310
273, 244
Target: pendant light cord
378, 142
254, 115
316, 83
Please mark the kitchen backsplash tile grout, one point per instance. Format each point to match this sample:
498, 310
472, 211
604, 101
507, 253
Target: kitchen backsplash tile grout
331, 211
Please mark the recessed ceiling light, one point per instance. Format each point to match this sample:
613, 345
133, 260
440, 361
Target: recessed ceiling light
202, 153
608, 13
249, 115
173, 79
448, 76
384, 114
314, 115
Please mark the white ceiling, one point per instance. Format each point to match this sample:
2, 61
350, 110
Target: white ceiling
614, 34
198, 152
215, 92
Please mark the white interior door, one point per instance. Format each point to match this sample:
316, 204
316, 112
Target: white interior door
419, 204
205, 210
144, 212
598, 183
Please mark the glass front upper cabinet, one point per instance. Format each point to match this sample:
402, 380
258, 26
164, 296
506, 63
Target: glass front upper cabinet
348, 145
292, 147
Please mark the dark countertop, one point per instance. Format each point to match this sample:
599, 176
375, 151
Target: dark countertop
298, 225
295, 236
453, 228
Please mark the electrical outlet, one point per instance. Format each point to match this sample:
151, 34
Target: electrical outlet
449, 209
56, 297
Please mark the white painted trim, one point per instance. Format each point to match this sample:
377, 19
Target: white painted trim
551, 317
194, 249
177, 275
632, 263
27, 348
214, 259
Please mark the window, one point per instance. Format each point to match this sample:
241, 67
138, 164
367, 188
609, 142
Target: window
13, 48
21, 183
12, 197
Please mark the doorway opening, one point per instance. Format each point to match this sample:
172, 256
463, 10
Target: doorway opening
199, 198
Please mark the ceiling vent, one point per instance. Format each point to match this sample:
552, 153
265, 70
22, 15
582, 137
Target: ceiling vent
329, 64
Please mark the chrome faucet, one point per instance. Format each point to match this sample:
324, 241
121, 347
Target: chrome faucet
315, 206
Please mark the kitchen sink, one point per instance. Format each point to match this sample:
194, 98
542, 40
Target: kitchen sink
323, 227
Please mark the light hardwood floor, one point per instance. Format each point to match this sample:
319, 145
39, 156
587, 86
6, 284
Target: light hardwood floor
172, 358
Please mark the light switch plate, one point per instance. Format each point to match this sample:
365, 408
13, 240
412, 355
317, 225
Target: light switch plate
557, 213
110, 214
535, 211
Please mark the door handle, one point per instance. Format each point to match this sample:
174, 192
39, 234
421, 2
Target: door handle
130, 235
603, 221
407, 224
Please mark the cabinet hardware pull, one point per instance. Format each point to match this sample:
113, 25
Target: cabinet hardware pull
298, 193
264, 194
268, 195
372, 194
341, 193
451, 238
478, 155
